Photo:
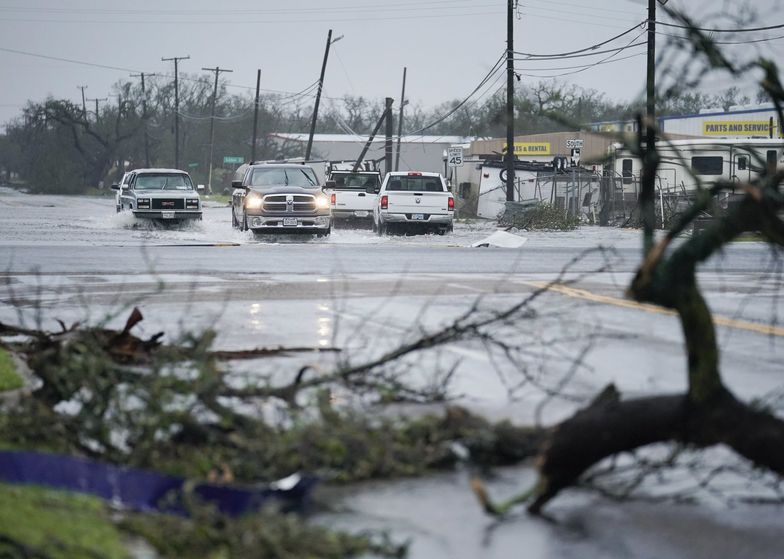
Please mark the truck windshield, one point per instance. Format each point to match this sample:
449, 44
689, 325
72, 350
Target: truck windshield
415, 183
163, 181
271, 177
354, 181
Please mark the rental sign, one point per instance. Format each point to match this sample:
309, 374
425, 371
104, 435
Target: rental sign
531, 148
725, 127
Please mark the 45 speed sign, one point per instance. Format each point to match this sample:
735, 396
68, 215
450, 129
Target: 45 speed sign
454, 156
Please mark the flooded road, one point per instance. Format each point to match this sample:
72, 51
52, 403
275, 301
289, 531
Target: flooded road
75, 259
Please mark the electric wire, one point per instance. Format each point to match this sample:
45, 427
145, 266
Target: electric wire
706, 30
604, 51
589, 48
496, 68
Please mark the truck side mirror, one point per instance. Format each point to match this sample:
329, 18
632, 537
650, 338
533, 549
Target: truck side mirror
115, 186
330, 184
236, 184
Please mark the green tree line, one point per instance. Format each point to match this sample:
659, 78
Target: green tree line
56, 146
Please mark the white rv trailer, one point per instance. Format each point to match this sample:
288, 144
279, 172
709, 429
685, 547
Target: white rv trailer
685, 164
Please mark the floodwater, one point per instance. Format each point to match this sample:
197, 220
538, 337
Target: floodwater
74, 258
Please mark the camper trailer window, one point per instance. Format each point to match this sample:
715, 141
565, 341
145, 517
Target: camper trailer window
707, 165
742, 163
772, 157
627, 171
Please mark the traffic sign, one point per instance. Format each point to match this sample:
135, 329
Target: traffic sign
454, 156
233, 160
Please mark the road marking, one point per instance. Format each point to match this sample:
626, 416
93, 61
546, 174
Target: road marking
466, 287
740, 324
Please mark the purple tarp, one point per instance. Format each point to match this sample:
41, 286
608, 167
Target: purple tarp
142, 490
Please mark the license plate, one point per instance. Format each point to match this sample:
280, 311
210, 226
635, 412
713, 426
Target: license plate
361, 213
290, 221
167, 215
418, 216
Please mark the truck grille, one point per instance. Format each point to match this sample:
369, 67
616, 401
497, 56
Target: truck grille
299, 203
168, 204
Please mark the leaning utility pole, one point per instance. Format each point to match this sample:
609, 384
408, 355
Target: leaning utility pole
84, 105
176, 59
388, 138
255, 117
400, 121
144, 117
318, 93
98, 100
510, 155
217, 71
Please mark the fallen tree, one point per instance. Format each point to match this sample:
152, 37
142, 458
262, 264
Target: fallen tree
708, 414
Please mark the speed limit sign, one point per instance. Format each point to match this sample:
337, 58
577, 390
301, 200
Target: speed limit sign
455, 156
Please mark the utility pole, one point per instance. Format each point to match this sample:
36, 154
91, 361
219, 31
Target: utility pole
400, 120
510, 155
98, 100
217, 71
647, 194
388, 140
318, 93
144, 117
255, 117
176, 60
84, 105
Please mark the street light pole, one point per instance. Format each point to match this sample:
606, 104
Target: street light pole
176, 59
217, 71
318, 93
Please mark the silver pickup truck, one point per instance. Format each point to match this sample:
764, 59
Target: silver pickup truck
160, 194
414, 201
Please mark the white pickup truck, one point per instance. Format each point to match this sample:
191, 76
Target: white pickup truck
353, 194
414, 200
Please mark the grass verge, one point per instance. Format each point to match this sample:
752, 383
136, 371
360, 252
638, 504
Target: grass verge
38, 522
9, 378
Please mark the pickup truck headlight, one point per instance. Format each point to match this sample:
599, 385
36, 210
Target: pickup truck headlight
253, 201
143, 203
192, 203
322, 202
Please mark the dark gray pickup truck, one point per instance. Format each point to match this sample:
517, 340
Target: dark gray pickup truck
279, 198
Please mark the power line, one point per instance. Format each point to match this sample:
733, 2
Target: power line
582, 68
542, 58
705, 30
592, 47
496, 68
747, 42
599, 63
300, 21
399, 6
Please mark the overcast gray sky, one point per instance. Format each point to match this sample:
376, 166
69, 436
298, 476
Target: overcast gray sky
447, 45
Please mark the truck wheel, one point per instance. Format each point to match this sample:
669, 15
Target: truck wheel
382, 229
244, 224
325, 233
234, 222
